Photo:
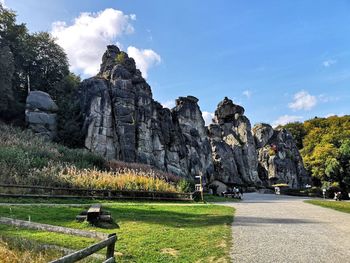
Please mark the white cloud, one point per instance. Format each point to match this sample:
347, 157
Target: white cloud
330, 115
86, 39
333, 114
303, 101
169, 104
247, 93
283, 120
329, 62
207, 116
3, 3
144, 58
325, 98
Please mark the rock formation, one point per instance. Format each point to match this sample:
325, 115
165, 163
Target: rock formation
279, 157
41, 115
233, 145
122, 121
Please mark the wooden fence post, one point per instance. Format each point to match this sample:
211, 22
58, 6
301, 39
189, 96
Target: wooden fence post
110, 248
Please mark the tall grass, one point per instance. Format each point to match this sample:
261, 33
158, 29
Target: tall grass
121, 167
22, 251
29, 160
127, 179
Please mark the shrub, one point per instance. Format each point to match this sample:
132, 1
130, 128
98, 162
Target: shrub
272, 152
185, 186
120, 58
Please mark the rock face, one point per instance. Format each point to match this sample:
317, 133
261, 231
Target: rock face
122, 121
279, 158
41, 115
233, 146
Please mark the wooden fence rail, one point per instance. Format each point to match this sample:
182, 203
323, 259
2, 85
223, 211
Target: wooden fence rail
51, 228
83, 253
62, 192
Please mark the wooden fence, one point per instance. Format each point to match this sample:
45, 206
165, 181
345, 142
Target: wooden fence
11, 190
83, 253
52, 228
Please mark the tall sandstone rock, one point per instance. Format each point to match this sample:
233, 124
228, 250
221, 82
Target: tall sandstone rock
122, 121
233, 145
279, 157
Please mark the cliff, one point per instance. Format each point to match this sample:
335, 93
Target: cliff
122, 121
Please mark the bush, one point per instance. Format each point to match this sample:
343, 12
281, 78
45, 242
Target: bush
120, 58
313, 191
185, 186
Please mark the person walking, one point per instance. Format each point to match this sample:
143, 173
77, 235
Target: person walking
241, 192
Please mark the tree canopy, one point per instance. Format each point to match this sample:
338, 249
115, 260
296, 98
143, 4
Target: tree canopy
325, 148
33, 61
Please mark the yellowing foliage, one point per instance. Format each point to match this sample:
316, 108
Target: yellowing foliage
124, 180
27, 159
324, 147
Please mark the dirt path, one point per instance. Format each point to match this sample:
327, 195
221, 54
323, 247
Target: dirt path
270, 228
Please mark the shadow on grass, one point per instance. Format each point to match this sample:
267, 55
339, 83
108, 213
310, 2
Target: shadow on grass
170, 218
106, 225
188, 217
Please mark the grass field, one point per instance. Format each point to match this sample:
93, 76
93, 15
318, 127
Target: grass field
38, 201
24, 200
339, 206
149, 232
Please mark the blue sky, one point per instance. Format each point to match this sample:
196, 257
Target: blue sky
281, 60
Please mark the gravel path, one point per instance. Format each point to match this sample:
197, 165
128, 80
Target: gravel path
270, 228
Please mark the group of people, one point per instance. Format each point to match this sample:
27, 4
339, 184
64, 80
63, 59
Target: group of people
337, 196
234, 193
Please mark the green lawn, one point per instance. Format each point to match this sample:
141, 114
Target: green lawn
339, 206
149, 232
26, 200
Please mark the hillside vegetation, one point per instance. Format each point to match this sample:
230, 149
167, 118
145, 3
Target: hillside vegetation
325, 148
27, 159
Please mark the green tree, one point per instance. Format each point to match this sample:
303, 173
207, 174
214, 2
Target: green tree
298, 132
344, 160
15, 37
69, 118
29, 61
48, 63
6, 73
